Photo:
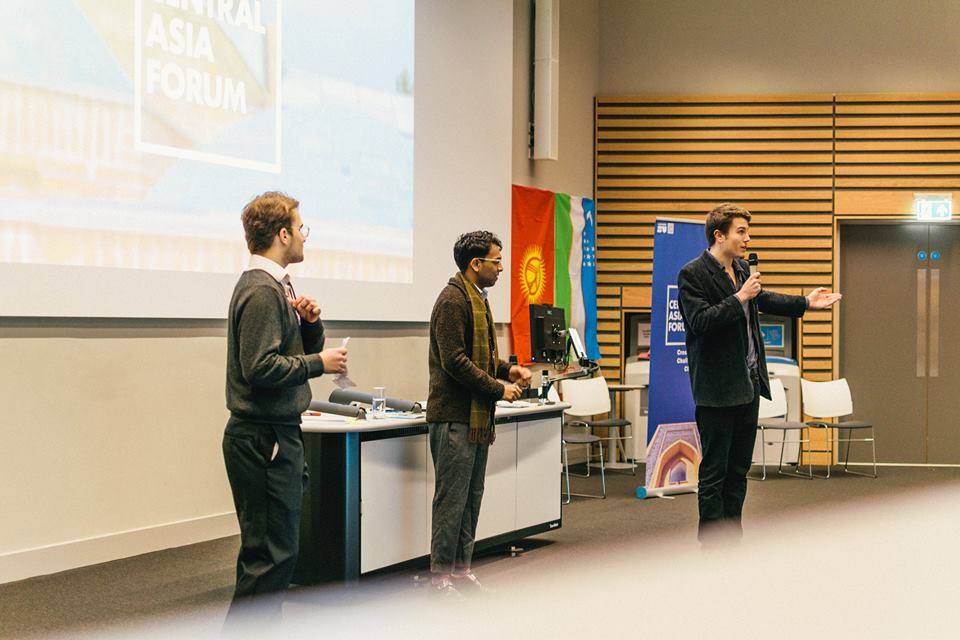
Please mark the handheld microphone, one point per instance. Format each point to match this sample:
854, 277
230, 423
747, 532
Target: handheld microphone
754, 262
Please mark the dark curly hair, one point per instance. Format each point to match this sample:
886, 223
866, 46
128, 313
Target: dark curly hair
721, 216
264, 216
475, 244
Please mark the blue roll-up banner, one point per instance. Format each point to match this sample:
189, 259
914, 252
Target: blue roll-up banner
673, 442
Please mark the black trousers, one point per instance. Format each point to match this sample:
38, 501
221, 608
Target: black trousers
267, 493
460, 467
727, 436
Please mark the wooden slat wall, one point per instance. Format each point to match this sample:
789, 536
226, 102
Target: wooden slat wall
610, 330
679, 157
890, 146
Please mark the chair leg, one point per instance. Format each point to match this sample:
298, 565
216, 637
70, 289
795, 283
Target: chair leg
763, 455
763, 452
846, 460
587, 474
873, 447
830, 461
589, 455
797, 473
783, 444
603, 475
623, 452
810, 459
566, 472
603, 478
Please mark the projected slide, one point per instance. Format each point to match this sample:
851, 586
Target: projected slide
132, 132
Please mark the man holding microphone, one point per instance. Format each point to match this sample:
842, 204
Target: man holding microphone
720, 297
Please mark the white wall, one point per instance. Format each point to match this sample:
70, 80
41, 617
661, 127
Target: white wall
112, 428
678, 47
572, 171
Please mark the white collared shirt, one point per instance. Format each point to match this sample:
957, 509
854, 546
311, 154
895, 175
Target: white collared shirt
277, 272
483, 292
266, 264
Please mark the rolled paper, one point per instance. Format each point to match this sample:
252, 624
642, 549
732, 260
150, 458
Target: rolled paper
346, 396
347, 410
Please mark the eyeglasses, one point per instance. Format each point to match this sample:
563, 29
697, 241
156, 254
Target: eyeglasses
304, 230
493, 260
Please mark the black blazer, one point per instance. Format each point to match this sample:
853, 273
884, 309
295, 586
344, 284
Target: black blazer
717, 333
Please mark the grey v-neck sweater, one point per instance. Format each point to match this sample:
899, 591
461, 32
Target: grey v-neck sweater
270, 353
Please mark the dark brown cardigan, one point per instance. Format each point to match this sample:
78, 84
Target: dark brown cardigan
453, 377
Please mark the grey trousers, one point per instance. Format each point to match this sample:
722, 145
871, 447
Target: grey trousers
460, 467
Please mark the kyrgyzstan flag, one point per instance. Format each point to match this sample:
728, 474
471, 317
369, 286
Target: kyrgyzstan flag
532, 261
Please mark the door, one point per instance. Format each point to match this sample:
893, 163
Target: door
878, 325
899, 284
943, 366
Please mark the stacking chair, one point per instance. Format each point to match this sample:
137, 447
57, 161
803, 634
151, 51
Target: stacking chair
822, 400
598, 394
769, 419
586, 398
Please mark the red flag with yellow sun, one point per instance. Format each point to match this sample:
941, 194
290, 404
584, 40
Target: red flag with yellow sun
532, 256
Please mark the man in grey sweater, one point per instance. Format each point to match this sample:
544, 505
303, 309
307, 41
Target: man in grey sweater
274, 346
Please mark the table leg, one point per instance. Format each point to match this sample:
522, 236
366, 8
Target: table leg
330, 518
617, 443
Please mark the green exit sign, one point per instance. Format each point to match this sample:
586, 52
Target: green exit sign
933, 207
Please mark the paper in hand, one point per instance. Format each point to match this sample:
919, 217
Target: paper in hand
341, 379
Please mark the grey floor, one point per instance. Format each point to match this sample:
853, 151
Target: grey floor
197, 580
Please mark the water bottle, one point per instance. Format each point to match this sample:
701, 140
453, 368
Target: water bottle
544, 386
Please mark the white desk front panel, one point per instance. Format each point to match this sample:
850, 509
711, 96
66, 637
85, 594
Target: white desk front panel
538, 472
394, 507
522, 489
499, 507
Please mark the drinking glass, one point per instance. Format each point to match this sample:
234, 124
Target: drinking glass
379, 405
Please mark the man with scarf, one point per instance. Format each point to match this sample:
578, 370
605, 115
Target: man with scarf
467, 377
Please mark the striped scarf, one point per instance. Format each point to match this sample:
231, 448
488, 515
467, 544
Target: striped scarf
484, 334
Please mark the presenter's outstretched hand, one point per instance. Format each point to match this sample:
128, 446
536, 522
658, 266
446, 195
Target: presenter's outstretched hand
307, 308
820, 298
511, 392
750, 289
520, 376
334, 360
